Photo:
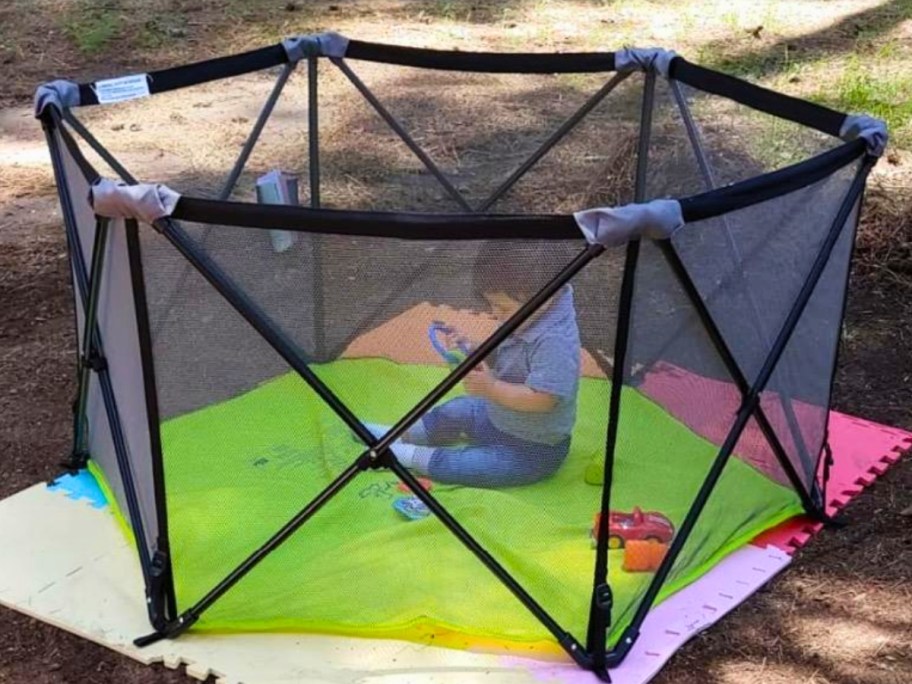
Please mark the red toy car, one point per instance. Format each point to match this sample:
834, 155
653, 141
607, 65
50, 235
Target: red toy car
637, 525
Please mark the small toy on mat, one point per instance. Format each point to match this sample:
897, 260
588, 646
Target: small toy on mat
452, 356
643, 556
278, 187
423, 481
623, 528
411, 507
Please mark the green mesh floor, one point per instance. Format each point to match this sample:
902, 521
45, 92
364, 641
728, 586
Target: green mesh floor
237, 471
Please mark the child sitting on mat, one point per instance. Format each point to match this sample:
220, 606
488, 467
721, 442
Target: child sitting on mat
513, 426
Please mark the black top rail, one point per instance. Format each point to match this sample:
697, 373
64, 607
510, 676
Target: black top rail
794, 109
812, 115
483, 226
485, 62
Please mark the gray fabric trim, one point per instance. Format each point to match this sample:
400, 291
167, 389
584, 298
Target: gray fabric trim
329, 44
616, 226
644, 59
144, 202
874, 131
62, 94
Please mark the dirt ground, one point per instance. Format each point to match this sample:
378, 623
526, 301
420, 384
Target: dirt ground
841, 613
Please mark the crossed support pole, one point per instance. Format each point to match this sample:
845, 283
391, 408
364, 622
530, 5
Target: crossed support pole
379, 451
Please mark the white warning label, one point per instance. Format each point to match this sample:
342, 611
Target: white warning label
121, 89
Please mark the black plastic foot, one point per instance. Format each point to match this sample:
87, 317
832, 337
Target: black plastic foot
603, 675
834, 522
171, 631
75, 462
149, 639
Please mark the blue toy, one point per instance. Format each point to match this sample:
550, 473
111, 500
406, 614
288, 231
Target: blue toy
452, 356
411, 507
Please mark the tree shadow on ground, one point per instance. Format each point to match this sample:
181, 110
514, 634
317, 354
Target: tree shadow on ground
840, 38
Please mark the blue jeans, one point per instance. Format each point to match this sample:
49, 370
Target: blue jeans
486, 456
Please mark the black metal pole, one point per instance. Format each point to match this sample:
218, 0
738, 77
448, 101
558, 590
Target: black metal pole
163, 599
313, 132
80, 277
313, 159
600, 604
403, 134
749, 405
824, 476
731, 364
553, 139
89, 352
192, 614
277, 339
710, 183
255, 132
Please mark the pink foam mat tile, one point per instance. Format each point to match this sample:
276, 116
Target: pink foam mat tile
677, 619
862, 452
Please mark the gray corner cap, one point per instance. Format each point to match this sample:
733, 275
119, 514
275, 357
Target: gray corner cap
145, 202
874, 131
644, 59
616, 226
328, 44
61, 94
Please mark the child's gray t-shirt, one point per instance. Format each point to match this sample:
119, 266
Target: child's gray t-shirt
545, 356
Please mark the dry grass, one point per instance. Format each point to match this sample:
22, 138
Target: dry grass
884, 246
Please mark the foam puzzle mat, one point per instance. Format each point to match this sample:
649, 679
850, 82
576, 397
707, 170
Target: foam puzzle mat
66, 563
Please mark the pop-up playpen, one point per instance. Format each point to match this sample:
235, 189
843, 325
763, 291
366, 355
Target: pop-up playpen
225, 385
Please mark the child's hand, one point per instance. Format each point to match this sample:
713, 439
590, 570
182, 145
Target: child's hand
455, 339
480, 381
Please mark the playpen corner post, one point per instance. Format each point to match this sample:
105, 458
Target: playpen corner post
84, 288
79, 277
642, 167
601, 602
826, 459
313, 159
313, 131
162, 599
